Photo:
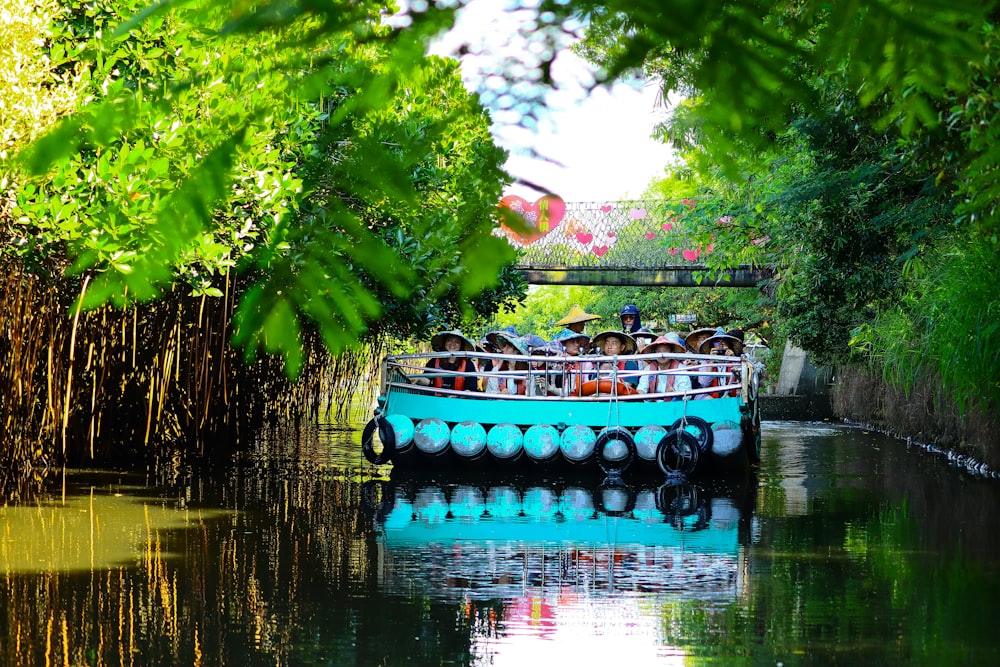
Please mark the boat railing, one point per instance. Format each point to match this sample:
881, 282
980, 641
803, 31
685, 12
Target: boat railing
410, 373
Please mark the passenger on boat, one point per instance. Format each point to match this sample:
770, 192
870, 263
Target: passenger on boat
451, 341
576, 319
694, 339
484, 345
542, 375
643, 337
574, 344
614, 343
488, 346
630, 319
722, 344
533, 342
505, 382
664, 382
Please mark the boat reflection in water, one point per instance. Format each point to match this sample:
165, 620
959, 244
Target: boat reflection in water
567, 561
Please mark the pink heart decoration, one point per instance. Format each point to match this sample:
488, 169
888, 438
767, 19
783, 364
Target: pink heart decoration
638, 213
690, 255
667, 226
584, 238
710, 248
672, 251
650, 235
540, 217
606, 208
599, 250
611, 235
689, 202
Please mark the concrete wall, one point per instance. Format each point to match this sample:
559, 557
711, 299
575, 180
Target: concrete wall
802, 391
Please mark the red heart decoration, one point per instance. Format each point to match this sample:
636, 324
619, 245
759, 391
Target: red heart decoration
540, 217
584, 238
611, 235
667, 226
606, 208
690, 255
650, 235
672, 251
599, 250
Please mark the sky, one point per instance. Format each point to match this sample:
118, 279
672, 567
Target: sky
601, 141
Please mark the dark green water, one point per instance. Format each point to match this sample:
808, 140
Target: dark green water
845, 548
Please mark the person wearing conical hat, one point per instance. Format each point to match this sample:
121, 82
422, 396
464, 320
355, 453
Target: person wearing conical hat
508, 331
614, 343
504, 382
724, 342
719, 343
542, 375
694, 338
643, 337
451, 370
576, 319
574, 343
665, 381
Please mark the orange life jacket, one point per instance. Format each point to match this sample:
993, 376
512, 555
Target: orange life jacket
465, 367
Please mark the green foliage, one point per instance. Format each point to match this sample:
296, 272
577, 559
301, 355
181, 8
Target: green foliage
544, 305
33, 93
945, 327
354, 178
847, 142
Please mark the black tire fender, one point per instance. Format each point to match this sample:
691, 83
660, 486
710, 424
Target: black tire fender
705, 436
677, 452
615, 467
385, 434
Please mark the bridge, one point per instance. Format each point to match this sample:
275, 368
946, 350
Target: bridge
634, 242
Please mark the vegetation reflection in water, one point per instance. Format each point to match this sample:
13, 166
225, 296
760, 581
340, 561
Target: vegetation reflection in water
844, 549
98, 530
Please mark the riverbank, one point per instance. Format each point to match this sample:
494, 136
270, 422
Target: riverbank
921, 416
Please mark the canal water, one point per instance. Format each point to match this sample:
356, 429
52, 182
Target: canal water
843, 548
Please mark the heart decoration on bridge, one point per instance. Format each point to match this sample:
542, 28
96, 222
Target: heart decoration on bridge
667, 226
606, 208
584, 238
537, 219
691, 255
599, 250
650, 235
572, 227
638, 213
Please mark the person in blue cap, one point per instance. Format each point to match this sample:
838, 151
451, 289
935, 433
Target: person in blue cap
631, 322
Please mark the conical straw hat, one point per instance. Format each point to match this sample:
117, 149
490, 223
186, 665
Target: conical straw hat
575, 315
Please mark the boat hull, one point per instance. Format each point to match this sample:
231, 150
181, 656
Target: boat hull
728, 417
422, 424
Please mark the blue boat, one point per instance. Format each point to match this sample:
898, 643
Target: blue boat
585, 417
